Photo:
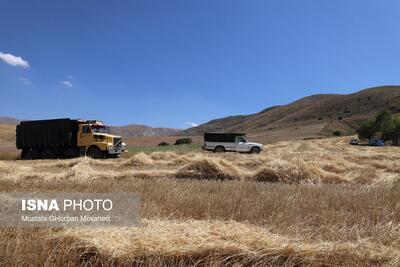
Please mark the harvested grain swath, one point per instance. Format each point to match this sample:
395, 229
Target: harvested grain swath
189, 242
210, 169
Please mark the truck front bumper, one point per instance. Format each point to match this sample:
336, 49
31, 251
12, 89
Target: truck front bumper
114, 151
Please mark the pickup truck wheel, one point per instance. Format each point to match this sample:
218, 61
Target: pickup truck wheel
95, 153
255, 150
219, 149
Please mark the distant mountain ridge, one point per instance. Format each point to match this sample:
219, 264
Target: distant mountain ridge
143, 130
331, 112
127, 130
9, 120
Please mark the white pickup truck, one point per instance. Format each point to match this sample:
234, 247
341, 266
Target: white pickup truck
236, 142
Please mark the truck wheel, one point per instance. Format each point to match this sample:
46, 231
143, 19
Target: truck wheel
47, 154
219, 149
36, 153
95, 153
26, 154
255, 150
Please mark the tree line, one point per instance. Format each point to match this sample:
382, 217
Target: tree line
384, 126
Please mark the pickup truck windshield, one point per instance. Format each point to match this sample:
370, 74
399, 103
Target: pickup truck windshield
100, 129
242, 139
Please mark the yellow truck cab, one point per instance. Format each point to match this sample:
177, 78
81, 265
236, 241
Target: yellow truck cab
98, 142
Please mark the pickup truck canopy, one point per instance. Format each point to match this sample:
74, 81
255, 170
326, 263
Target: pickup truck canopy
221, 137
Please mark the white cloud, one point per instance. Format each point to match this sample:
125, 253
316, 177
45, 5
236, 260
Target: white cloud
69, 76
191, 124
67, 84
25, 81
13, 60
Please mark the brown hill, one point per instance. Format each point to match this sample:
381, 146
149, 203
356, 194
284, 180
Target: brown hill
7, 133
311, 116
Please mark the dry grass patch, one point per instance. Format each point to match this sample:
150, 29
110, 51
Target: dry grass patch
138, 159
163, 155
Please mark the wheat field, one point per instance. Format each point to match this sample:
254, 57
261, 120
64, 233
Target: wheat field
299, 203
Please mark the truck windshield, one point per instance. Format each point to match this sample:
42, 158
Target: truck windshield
100, 129
242, 139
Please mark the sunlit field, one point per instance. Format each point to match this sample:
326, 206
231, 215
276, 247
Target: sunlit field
299, 203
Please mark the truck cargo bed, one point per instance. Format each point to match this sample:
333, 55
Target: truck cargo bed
45, 133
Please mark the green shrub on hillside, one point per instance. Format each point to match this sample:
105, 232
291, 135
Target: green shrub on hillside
337, 133
183, 141
163, 144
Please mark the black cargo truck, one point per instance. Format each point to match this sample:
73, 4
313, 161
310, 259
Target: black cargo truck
65, 138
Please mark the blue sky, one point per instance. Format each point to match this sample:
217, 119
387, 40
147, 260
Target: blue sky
165, 63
